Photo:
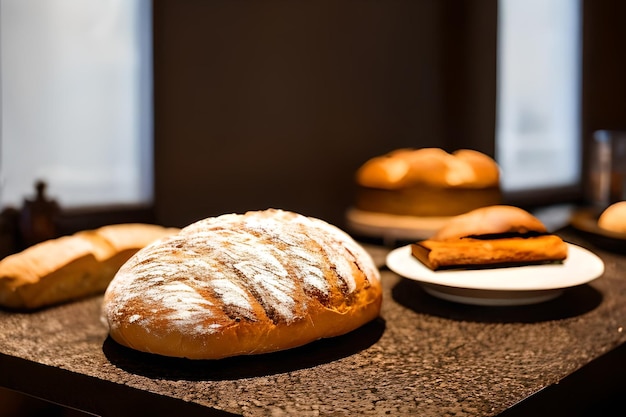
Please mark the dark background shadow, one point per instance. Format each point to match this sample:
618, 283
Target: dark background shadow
307, 356
573, 302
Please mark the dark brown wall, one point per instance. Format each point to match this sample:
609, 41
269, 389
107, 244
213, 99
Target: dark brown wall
276, 103
604, 65
604, 70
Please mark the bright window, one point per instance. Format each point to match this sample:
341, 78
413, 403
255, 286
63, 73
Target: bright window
539, 93
76, 100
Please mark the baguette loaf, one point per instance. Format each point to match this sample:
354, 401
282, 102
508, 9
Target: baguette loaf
495, 235
241, 284
70, 267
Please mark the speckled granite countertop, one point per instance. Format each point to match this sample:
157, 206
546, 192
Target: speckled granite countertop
423, 356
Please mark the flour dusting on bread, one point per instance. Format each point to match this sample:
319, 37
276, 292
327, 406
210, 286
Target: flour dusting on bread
271, 267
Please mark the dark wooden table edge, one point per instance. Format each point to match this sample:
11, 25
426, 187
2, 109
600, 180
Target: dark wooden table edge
95, 396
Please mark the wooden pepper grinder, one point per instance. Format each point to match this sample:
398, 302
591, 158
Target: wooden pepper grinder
38, 218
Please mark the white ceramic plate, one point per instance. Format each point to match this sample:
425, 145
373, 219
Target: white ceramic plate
500, 286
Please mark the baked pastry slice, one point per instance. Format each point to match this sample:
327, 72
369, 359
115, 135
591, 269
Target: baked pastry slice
241, 284
490, 236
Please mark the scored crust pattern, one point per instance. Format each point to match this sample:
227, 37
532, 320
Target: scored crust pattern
262, 265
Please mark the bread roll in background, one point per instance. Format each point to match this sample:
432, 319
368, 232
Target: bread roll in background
613, 218
71, 267
464, 168
241, 284
425, 182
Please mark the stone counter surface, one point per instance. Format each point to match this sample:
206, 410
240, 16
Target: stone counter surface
423, 356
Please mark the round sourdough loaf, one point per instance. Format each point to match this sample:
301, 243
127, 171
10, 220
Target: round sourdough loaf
242, 284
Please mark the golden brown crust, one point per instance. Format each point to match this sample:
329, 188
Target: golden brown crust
613, 218
243, 284
246, 337
486, 171
432, 166
490, 220
427, 182
71, 267
494, 235
470, 252
423, 200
